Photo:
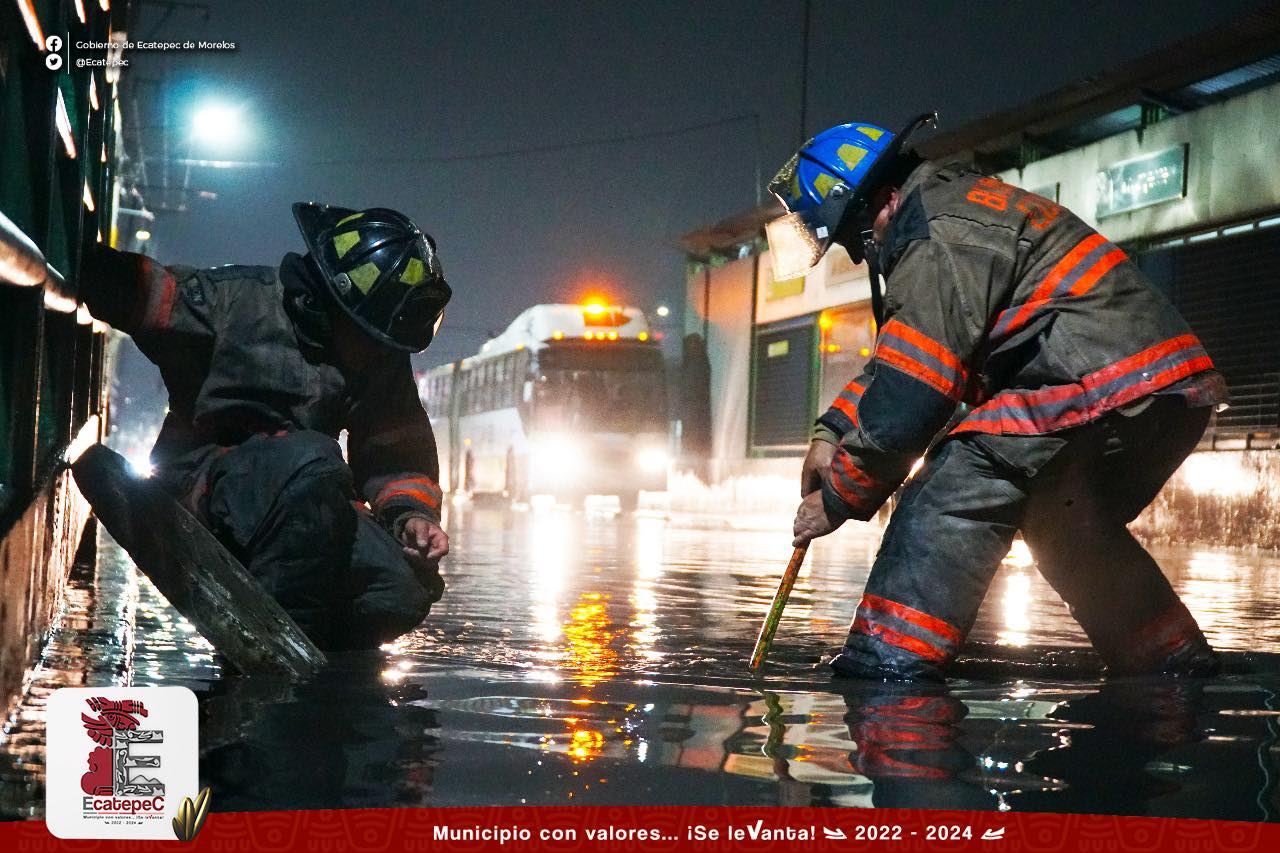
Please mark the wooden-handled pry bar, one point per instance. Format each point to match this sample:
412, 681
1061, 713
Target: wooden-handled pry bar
770, 627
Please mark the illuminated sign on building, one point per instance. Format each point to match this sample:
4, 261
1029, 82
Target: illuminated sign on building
1142, 181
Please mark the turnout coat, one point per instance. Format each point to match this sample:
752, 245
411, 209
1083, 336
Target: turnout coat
242, 351
1009, 303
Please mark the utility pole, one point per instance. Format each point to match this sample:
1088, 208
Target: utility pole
804, 74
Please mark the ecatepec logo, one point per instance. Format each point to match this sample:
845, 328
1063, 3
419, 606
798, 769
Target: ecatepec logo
114, 768
120, 761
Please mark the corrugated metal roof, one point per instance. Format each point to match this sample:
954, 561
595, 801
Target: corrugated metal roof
1251, 39
1230, 82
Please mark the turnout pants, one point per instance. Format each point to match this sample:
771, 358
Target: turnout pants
1072, 495
285, 505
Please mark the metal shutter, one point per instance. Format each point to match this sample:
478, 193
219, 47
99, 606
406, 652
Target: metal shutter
782, 396
1229, 291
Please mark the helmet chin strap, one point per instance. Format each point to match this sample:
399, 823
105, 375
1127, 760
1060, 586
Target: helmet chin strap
307, 298
871, 254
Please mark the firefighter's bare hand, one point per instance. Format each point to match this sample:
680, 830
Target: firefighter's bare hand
424, 541
817, 466
812, 520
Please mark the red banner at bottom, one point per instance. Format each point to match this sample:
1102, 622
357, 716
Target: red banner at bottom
661, 828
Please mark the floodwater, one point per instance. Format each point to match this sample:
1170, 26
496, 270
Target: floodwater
599, 658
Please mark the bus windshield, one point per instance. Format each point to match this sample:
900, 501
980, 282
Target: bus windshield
601, 390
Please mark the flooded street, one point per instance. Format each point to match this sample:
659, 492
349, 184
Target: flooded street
600, 658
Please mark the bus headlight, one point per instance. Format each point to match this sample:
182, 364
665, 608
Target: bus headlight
557, 456
652, 459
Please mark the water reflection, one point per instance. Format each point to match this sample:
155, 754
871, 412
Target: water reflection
1015, 604
349, 738
1126, 748
1212, 598
589, 636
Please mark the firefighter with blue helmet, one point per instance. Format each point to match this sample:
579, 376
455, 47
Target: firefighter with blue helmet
265, 366
1040, 382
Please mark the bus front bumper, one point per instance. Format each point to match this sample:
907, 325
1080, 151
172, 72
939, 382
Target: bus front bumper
590, 465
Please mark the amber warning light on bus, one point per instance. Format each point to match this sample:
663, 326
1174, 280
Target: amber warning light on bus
596, 313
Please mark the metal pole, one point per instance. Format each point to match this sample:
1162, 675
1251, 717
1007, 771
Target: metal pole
804, 75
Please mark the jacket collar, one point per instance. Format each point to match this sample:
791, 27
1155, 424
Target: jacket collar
910, 222
918, 176
304, 304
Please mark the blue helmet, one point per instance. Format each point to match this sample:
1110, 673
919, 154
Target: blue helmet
843, 154
826, 186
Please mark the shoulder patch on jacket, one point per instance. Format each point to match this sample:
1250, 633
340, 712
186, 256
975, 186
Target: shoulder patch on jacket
193, 288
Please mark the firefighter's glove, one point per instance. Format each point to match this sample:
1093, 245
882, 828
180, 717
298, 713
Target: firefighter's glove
812, 520
817, 466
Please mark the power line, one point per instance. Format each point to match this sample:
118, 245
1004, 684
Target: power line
536, 149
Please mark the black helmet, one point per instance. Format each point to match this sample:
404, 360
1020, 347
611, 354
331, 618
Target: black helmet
380, 268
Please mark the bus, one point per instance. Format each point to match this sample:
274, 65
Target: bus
569, 401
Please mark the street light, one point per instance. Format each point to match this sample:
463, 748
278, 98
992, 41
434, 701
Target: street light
217, 124
663, 310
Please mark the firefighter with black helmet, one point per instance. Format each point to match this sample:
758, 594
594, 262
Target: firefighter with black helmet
265, 367
1031, 371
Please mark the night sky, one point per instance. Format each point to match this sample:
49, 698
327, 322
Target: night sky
382, 103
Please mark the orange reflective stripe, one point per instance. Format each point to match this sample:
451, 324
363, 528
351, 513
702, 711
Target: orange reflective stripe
921, 357
1060, 406
926, 343
898, 639
861, 491
916, 617
1140, 360
849, 471
418, 488
849, 408
847, 401
1060, 270
426, 497
914, 368
1066, 265
158, 296
1097, 271
1168, 631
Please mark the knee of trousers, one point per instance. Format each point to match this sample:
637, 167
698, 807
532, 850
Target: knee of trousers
295, 484
318, 509
279, 458
379, 619
403, 607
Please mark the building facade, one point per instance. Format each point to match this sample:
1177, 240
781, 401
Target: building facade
59, 140
1185, 178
